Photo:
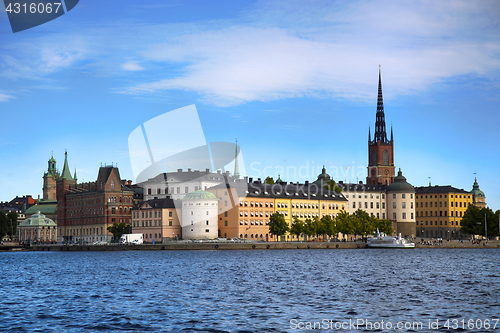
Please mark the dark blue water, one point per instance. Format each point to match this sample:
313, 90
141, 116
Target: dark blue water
249, 291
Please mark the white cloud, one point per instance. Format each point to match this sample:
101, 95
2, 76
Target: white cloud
333, 51
5, 98
132, 66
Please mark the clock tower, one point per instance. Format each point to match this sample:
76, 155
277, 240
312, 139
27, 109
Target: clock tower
381, 168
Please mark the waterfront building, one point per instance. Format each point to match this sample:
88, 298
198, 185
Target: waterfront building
157, 219
381, 169
176, 185
86, 210
199, 215
439, 211
245, 208
37, 229
367, 197
478, 197
401, 206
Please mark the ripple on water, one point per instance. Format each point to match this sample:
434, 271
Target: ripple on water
241, 291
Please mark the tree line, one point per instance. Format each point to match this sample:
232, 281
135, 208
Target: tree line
473, 221
360, 223
8, 224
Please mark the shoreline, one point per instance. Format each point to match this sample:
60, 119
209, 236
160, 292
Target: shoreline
204, 246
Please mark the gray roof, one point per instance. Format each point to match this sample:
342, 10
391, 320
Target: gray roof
287, 191
438, 189
185, 176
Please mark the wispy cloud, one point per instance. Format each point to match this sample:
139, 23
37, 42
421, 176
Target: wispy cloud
5, 97
132, 66
332, 51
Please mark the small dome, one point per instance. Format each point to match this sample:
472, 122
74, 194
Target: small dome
38, 219
200, 195
400, 185
476, 192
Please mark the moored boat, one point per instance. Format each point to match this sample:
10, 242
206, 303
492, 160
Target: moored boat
382, 241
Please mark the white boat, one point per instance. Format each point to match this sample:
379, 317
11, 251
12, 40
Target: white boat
383, 241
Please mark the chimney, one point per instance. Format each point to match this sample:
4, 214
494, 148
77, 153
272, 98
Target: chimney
218, 171
246, 179
207, 171
361, 182
306, 182
179, 170
227, 173
189, 169
341, 182
250, 180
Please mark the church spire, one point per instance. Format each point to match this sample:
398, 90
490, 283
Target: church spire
380, 133
392, 137
66, 174
236, 167
369, 134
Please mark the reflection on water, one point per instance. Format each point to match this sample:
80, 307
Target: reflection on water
244, 291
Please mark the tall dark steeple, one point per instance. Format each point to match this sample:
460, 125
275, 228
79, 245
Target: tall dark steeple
380, 134
381, 169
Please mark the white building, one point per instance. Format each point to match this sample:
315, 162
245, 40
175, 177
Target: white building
176, 185
199, 215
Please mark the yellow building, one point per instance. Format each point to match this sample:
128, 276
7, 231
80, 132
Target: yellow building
245, 208
439, 211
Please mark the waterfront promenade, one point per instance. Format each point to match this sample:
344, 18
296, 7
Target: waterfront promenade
233, 246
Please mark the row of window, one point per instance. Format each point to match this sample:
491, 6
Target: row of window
253, 222
452, 204
403, 216
170, 190
144, 214
421, 223
366, 196
456, 196
441, 213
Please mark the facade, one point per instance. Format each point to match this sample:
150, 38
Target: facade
478, 197
156, 220
370, 198
439, 211
245, 208
199, 215
85, 211
37, 229
176, 185
381, 168
401, 206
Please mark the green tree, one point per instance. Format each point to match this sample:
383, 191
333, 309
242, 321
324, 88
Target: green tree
365, 223
297, 227
278, 225
3, 224
344, 223
473, 221
329, 225
118, 229
12, 223
269, 180
332, 186
309, 228
384, 226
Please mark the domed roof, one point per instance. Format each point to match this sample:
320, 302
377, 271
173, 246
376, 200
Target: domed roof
38, 219
400, 184
200, 195
323, 177
476, 192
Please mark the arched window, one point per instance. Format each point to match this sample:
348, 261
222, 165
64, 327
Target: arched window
386, 158
374, 157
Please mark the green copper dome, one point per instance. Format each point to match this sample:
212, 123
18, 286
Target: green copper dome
200, 195
400, 185
476, 192
38, 219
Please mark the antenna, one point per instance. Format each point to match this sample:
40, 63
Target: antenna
429, 181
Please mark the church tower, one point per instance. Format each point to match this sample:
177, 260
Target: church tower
381, 168
49, 180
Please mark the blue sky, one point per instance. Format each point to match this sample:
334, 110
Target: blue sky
294, 81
